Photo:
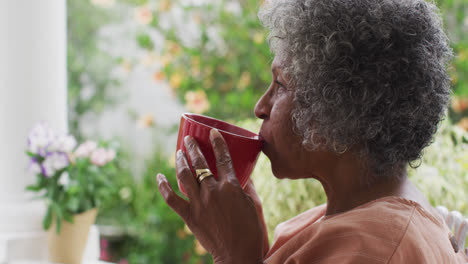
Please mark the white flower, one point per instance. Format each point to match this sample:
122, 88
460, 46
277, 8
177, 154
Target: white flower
64, 179
125, 193
62, 143
85, 149
53, 162
39, 138
99, 157
233, 7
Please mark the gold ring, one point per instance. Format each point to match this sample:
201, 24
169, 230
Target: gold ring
203, 174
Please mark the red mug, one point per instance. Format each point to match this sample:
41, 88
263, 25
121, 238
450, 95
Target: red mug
244, 146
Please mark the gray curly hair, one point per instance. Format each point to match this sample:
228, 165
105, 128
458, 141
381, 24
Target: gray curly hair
367, 73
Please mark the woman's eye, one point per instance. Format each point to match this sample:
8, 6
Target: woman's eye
281, 87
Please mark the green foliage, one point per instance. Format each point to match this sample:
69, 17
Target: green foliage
145, 41
155, 233
443, 174
88, 66
229, 63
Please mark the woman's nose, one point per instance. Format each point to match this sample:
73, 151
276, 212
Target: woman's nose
262, 108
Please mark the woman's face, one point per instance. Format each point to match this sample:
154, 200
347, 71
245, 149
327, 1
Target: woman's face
282, 146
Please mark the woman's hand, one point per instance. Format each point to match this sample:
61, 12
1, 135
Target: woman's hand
219, 213
250, 191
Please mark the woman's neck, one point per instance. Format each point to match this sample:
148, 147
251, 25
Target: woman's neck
347, 186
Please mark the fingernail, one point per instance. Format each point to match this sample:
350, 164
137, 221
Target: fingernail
179, 153
186, 139
214, 132
160, 178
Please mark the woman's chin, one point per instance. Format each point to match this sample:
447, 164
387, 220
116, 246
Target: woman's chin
281, 173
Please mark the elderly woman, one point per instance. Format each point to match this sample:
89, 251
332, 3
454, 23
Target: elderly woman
358, 90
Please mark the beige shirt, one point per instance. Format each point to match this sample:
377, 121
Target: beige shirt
387, 230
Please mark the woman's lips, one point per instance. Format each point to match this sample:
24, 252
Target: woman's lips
264, 142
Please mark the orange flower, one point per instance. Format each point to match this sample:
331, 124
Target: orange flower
197, 102
158, 76
173, 47
175, 80
463, 123
459, 104
143, 15
164, 5
181, 234
146, 120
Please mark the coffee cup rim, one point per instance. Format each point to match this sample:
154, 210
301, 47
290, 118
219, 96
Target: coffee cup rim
254, 137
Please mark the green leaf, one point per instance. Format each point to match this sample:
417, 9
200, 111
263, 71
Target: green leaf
48, 218
32, 155
73, 204
34, 188
68, 217
58, 216
145, 41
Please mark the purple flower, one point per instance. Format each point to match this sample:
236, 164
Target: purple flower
39, 138
54, 162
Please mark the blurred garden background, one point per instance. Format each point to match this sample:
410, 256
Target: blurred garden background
135, 65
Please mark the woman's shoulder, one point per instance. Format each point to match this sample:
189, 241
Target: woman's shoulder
384, 230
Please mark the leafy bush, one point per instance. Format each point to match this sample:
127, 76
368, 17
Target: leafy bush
223, 67
155, 234
91, 87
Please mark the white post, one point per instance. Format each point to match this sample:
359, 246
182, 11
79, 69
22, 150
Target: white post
32, 88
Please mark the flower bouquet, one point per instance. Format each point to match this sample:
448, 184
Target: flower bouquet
72, 180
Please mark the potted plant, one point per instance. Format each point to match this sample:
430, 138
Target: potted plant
73, 181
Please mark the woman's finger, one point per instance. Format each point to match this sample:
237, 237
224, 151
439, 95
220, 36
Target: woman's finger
177, 203
197, 159
185, 176
250, 191
223, 158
